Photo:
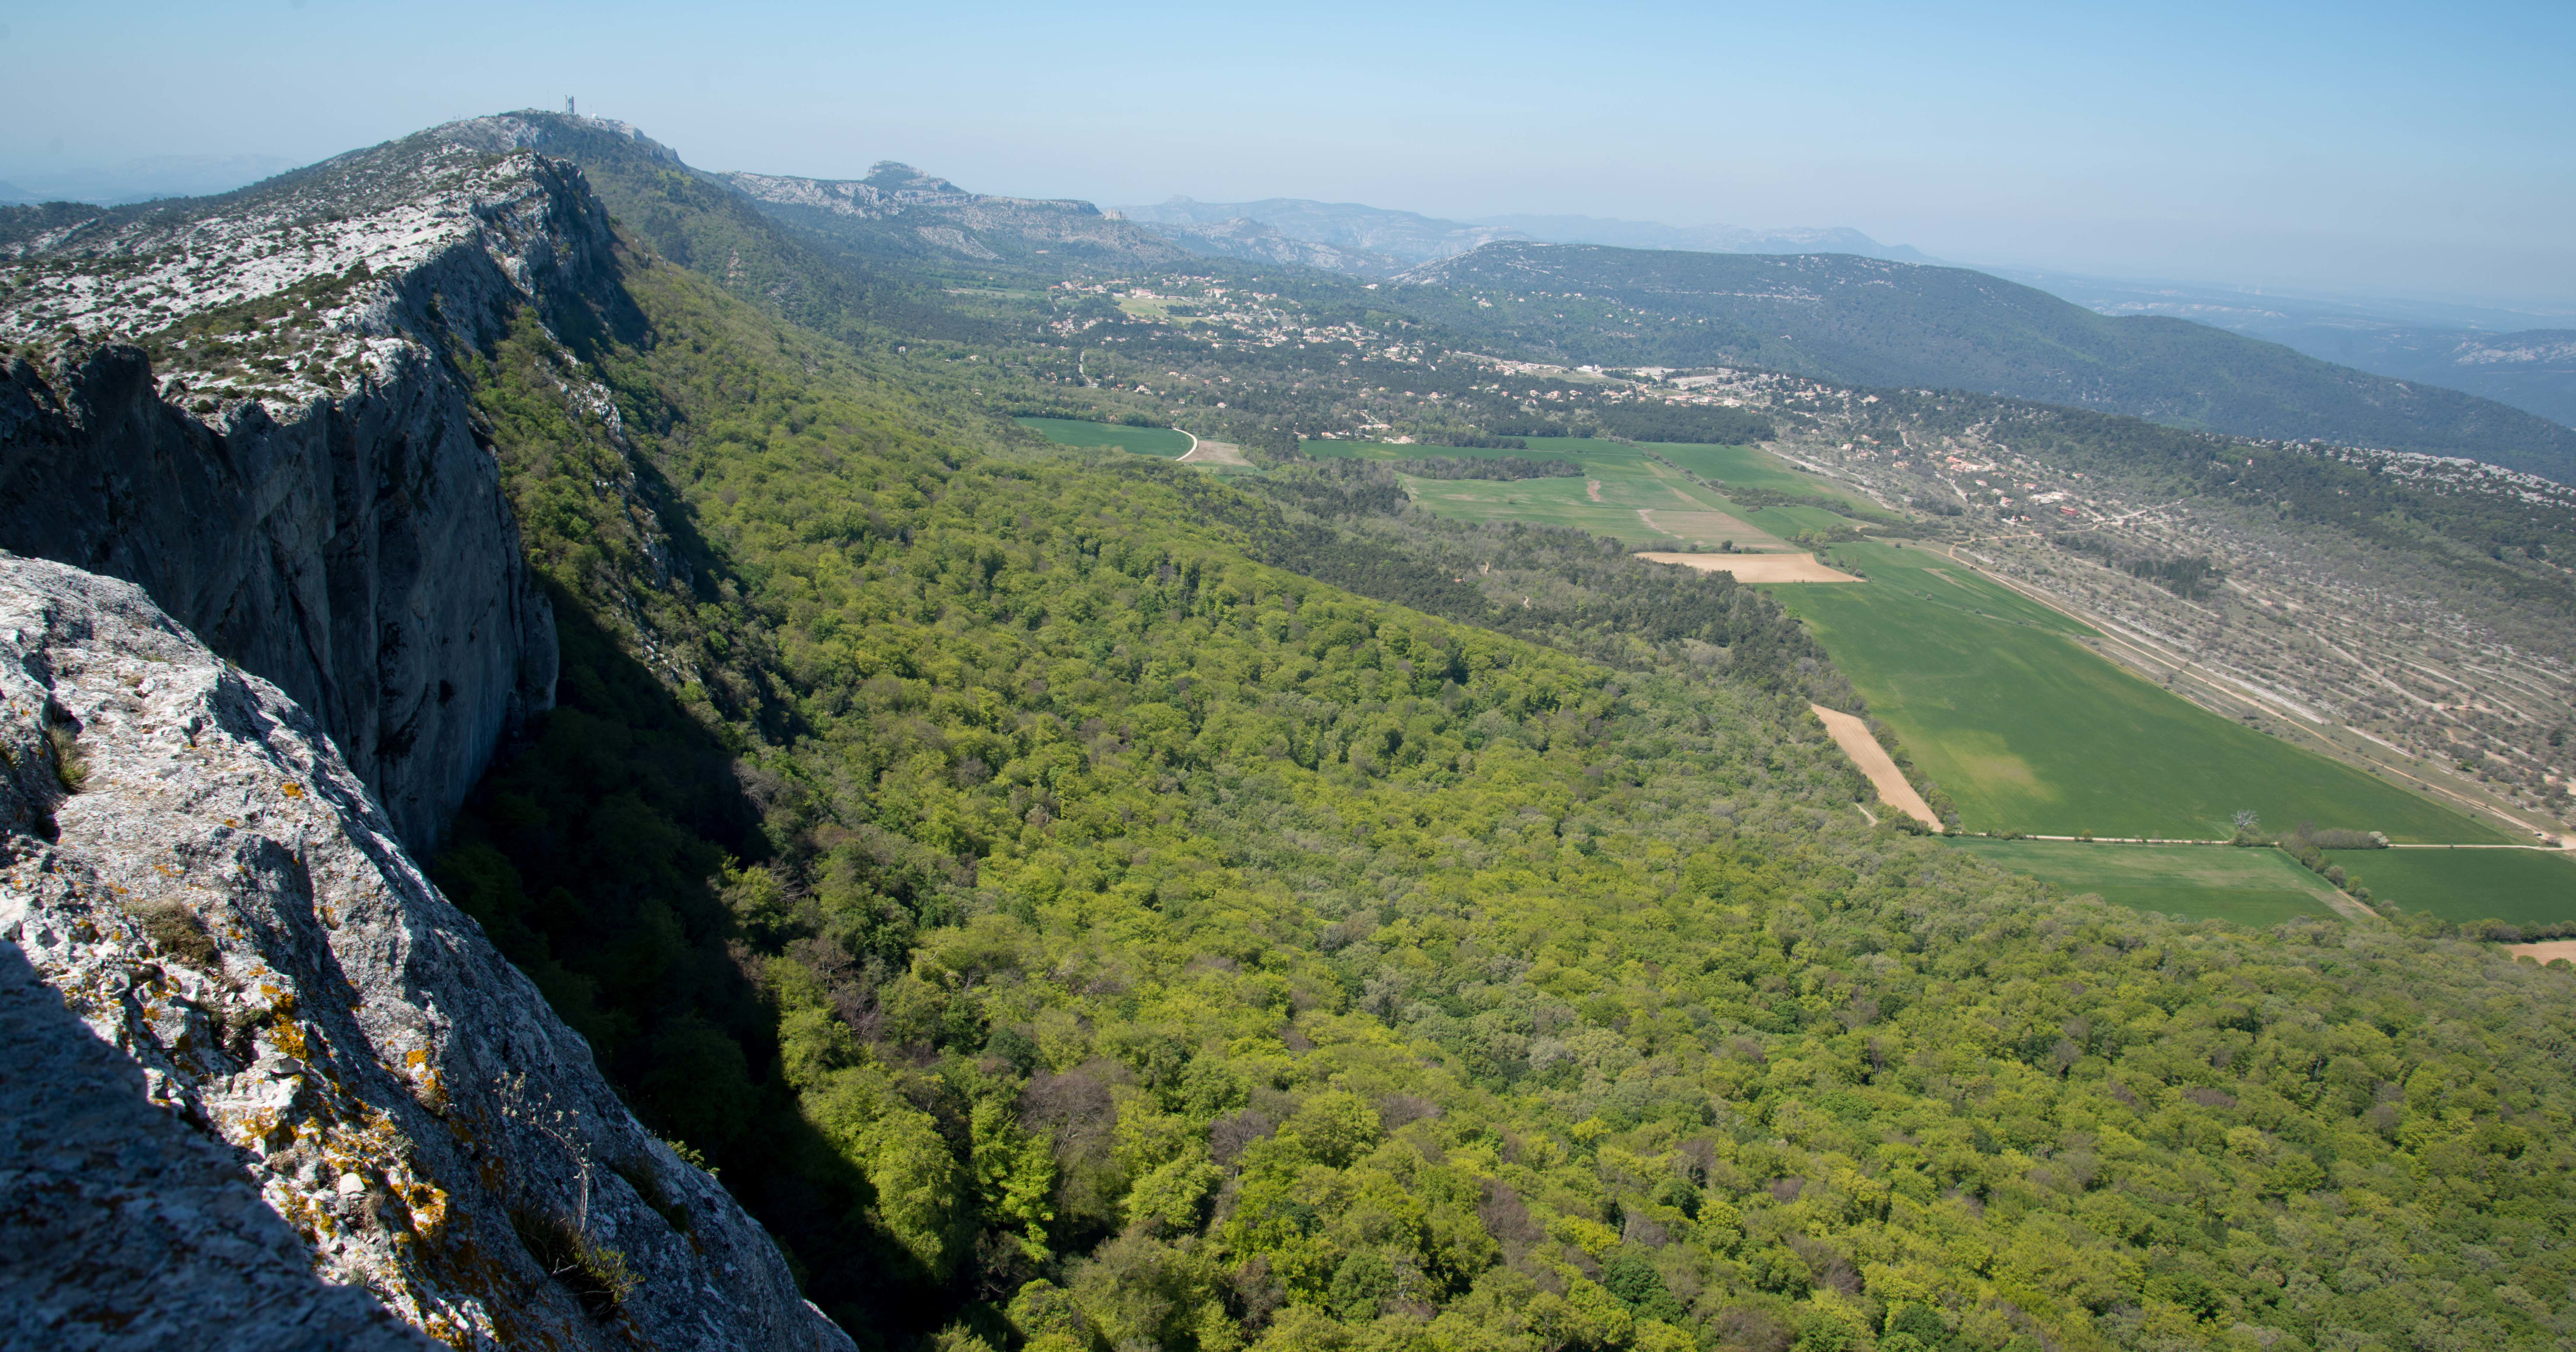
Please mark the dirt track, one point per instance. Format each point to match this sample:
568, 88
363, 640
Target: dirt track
1757, 567
1853, 737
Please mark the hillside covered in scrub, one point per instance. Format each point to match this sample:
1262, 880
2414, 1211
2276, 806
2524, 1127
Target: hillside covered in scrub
1074, 903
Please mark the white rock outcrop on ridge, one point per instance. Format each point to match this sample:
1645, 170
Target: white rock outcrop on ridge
304, 1055
249, 405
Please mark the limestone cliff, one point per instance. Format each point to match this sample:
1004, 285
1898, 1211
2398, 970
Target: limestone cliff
250, 406
286, 1012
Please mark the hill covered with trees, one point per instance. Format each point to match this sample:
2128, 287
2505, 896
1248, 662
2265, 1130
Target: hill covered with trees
1069, 925
1077, 903
1874, 322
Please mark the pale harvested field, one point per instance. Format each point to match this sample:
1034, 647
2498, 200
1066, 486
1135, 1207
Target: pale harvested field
2545, 953
1757, 567
1216, 453
1853, 737
1705, 526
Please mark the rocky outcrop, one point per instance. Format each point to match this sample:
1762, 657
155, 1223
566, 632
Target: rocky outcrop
288, 463
315, 1091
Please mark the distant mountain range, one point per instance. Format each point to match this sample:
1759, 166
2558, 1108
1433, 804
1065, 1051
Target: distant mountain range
1704, 238
2523, 358
142, 180
868, 258
1377, 241
2479, 351
899, 210
2517, 359
1878, 322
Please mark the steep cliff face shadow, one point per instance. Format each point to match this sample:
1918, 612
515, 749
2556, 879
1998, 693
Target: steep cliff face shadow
596, 852
125, 1227
593, 854
601, 324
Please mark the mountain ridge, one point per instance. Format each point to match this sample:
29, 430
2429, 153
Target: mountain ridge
1887, 323
2525, 359
1372, 234
268, 406
288, 447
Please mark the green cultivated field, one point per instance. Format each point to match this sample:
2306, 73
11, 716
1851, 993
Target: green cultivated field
2519, 887
1643, 503
2254, 887
1155, 441
2030, 731
1753, 467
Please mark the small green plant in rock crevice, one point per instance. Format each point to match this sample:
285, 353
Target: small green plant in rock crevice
176, 930
71, 767
598, 1276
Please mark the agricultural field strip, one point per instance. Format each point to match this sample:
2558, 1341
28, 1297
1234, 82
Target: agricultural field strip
2345, 904
2152, 653
2516, 886
2543, 849
2254, 887
1607, 505
1929, 689
1754, 569
1854, 738
2183, 666
2393, 610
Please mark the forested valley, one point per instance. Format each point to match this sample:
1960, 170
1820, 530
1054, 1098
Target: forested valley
1081, 904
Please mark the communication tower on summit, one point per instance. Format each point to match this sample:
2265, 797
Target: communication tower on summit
569, 110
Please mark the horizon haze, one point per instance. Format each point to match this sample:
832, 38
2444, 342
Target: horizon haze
2376, 151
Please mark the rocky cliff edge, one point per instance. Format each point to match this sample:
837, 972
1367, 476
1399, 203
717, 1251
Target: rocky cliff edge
251, 405
272, 1089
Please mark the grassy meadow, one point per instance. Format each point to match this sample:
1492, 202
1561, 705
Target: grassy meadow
1162, 442
2519, 887
2028, 730
1752, 467
2254, 887
1641, 501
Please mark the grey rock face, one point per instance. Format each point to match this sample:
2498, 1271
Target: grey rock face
333, 523
315, 1091
357, 552
91, 1166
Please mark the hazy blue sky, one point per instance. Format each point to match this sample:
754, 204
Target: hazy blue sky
2359, 147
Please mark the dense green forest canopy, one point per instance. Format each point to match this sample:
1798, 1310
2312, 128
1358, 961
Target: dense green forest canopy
1078, 904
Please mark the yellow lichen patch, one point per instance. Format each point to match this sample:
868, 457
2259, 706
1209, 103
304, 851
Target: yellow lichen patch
429, 1213
291, 790
430, 1091
289, 1037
